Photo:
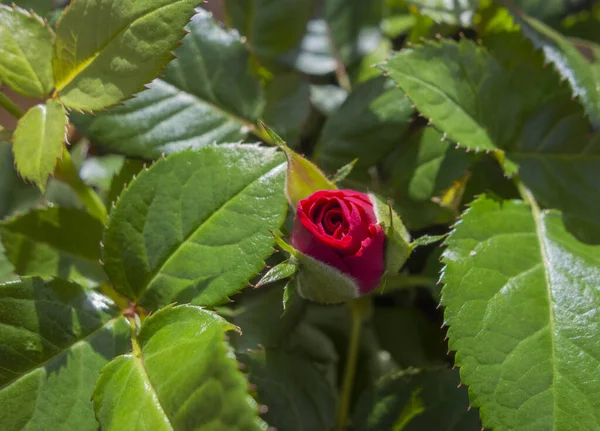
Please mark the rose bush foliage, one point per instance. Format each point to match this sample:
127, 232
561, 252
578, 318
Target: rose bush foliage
299, 215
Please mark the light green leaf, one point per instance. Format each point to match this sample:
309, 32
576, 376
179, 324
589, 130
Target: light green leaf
55, 242
209, 93
206, 391
99, 171
55, 337
38, 141
459, 12
577, 60
25, 52
521, 298
415, 400
195, 226
287, 105
270, 27
280, 271
470, 95
368, 126
296, 394
96, 66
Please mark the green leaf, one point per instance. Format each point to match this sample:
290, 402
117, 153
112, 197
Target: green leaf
99, 171
294, 390
55, 242
280, 271
459, 12
368, 126
270, 27
576, 60
521, 298
313, 56
55, 337
38, 141
209, 93
415, 400
287, 105
128, 171
424, 165
40, 7
96, 66
25, 52
195, 226
14, 193
6, 268
470, 95
412, 338
206, 391
353, 27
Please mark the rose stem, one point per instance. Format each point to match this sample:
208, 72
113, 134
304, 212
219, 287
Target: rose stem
359, 309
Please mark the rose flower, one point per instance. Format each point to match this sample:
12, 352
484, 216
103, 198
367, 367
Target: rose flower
339, 228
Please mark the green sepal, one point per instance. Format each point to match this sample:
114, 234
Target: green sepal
343, 172
279, 272
397, 243
303, 177
317, 281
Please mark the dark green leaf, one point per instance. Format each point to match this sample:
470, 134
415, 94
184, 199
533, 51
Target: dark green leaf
38, 142
521, 298
55, 242
54, 339
25, 52
314, 56
472, 96
412, 338
353, 27
293, 389
416, 401
195, 226
287, 105
6, 268
577, 60
96, 66
427, 240
209, 93
206, 391
14, 193
271, 27
368, 126
130, 168
40, 7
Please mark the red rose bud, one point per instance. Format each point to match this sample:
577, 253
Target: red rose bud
340, 228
